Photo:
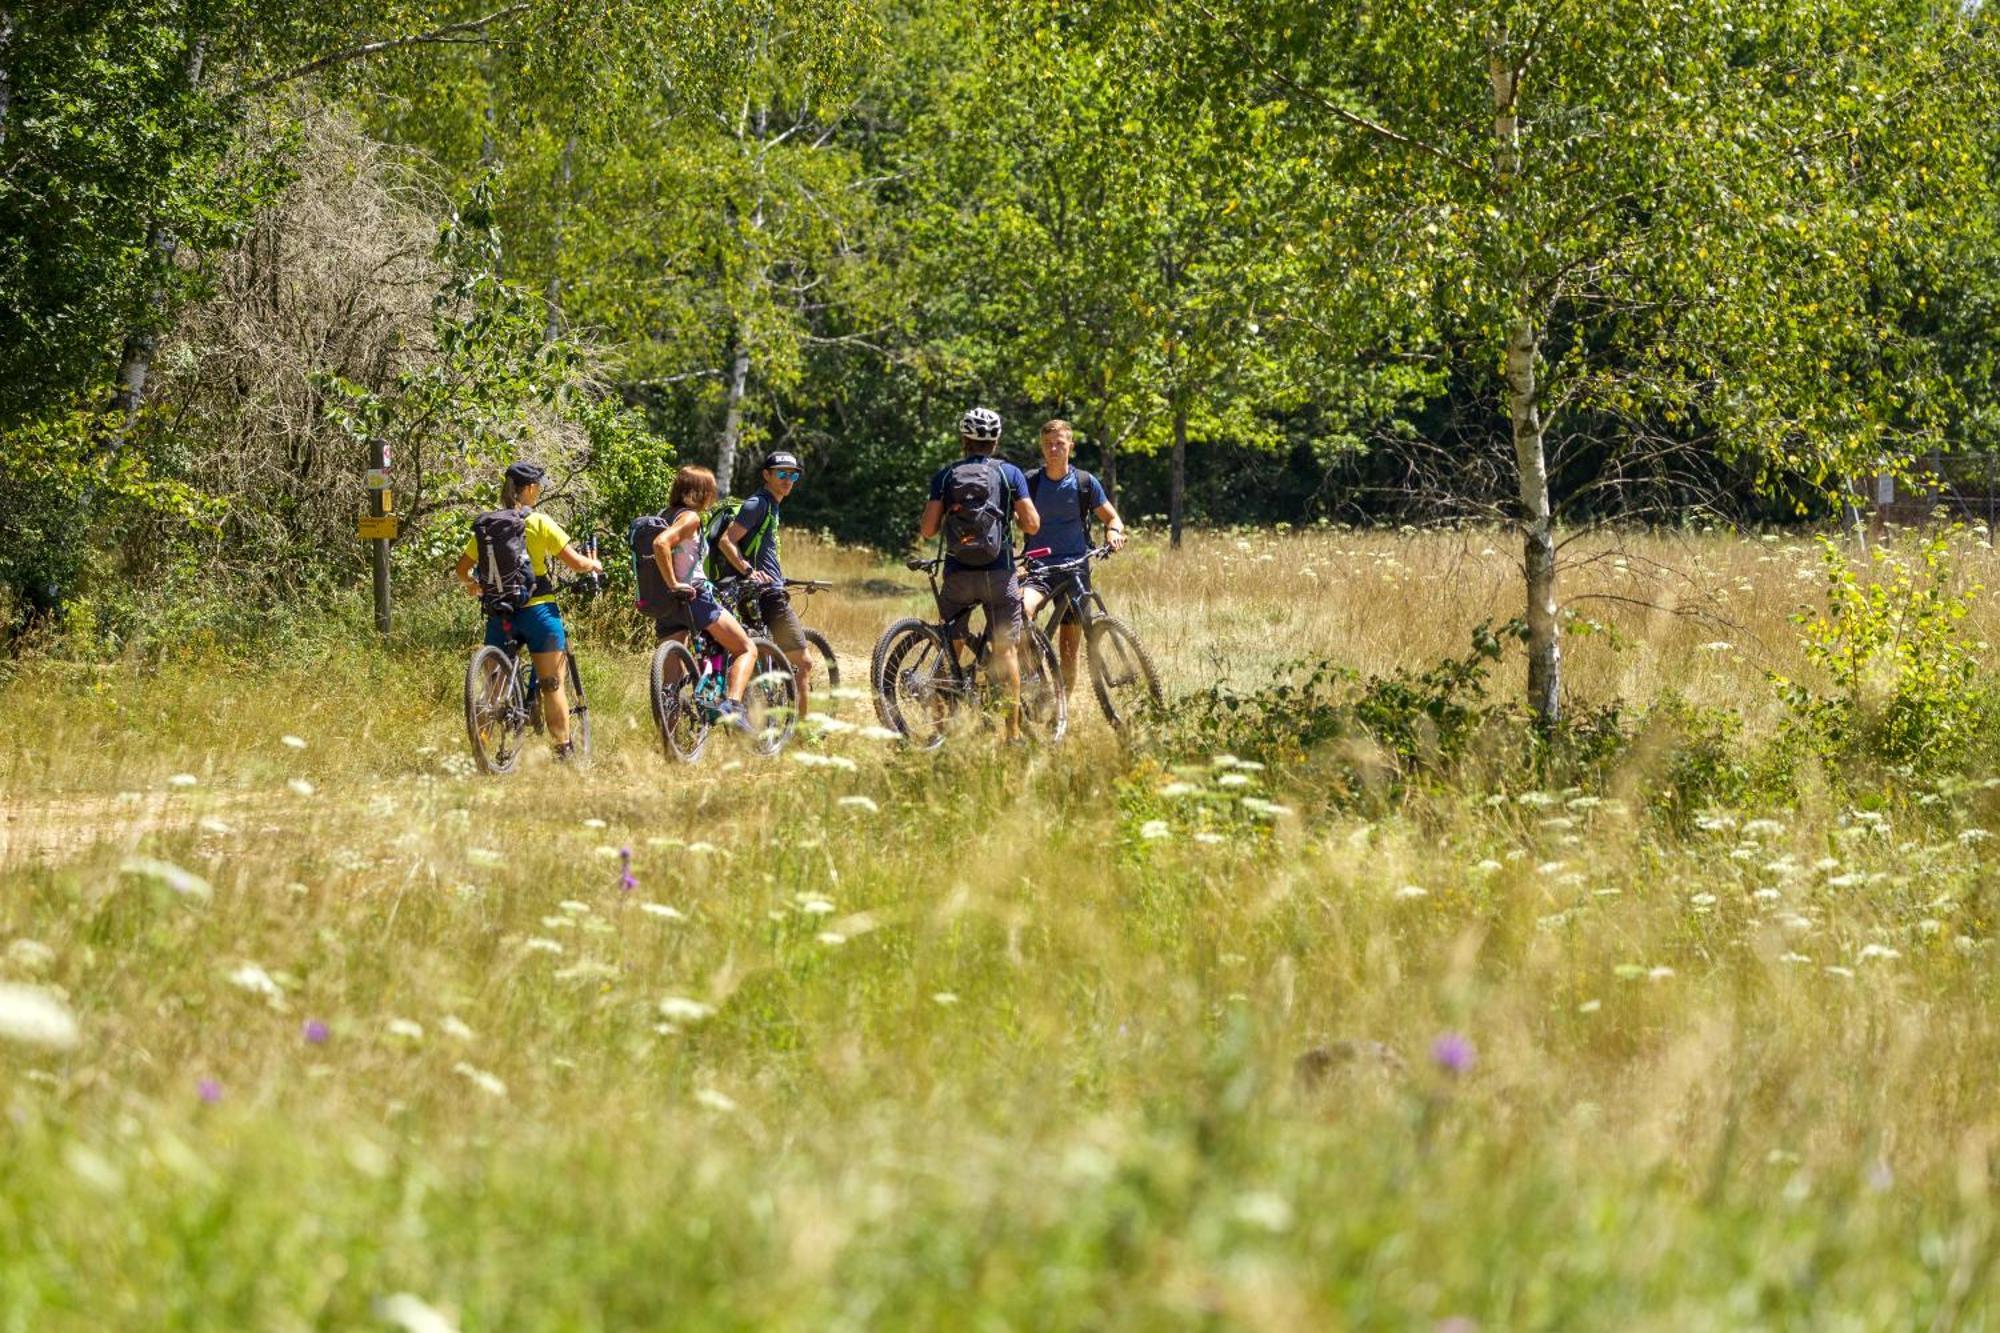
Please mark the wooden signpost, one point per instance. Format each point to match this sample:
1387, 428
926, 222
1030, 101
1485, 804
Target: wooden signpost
378, 526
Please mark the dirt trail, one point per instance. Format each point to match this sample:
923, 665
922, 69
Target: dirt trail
50, 831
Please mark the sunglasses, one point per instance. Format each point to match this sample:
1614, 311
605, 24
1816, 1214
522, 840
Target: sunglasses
786, 473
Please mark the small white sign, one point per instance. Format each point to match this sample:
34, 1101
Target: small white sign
378, 478
1885, 490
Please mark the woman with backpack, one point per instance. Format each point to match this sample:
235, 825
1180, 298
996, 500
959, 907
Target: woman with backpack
514, 550
674, 588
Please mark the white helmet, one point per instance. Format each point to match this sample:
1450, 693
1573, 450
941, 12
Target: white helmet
981, 423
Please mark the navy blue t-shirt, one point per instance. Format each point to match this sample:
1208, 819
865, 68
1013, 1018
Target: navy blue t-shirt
751, 516
1064, 529
1017, 488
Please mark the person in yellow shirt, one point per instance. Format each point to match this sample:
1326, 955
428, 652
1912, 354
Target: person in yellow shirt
539, 624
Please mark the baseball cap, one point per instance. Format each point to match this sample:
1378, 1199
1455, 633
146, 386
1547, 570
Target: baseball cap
780, 458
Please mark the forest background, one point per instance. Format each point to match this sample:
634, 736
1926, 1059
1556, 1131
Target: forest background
1545, 262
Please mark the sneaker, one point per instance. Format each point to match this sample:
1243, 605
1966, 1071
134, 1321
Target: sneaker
731, 714
565, 752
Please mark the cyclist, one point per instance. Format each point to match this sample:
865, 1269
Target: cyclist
1066, 497
974, 501
756, 527
539, 623
678, 552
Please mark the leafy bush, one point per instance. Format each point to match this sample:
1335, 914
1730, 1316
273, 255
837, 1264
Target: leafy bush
1901, 680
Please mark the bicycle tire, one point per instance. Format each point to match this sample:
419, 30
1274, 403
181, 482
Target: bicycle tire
829, 672
1044, 703
903, 674
673, 677
1118, 660
579, 713
772, 701
492, 724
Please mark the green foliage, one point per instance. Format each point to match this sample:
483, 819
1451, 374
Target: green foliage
1901, 677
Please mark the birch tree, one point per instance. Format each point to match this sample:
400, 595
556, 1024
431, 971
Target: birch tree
1685, 207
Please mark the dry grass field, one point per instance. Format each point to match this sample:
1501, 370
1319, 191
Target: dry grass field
305, 1025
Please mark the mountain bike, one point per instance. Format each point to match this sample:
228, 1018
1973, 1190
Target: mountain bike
502, 692
921, 685
1122, 674
746, 605
690, 681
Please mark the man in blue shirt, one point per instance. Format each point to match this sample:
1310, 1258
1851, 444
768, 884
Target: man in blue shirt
1065, 497
978, 499
757, 521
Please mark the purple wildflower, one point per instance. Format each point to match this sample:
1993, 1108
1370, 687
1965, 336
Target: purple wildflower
315, 1032
627, 881
1452, 1052
209, 1091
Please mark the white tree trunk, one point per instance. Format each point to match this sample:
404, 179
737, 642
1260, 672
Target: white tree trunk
560, 188
732, 420
1531, 464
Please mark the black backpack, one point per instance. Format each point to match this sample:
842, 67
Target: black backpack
651, 596
507, 579
1083, 482
977, 504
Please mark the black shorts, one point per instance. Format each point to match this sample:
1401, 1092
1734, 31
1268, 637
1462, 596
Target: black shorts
688, 616
1076, 579
997, 590
781, 623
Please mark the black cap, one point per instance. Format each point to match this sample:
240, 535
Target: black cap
780, 458
525, 474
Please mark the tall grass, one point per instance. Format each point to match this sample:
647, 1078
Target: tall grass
1013, 1042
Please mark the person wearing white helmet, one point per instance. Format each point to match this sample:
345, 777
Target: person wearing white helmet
974, 503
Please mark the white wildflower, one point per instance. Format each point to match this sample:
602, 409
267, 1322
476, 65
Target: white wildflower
1265, 809
1155, 828
184, 882
1537, 800
1789, 957
595, 824
1235, 780
1850, 880
875, 733
1175, 791
1264, 1210
573, 907
714, 1100
250, 977
1715, 823
210, 824
705, 849
1871, 951
1763, 828
605, 853
183, 780
558, 923
1225, 761
453, 1026
292, 742
1584, 802
662, 911
538, 944
482, 1080
36, 1016
1248, 766
862, 804
1590, 1006
1974, 835
1767, 895
483, 856
839, 761
680, 1009
1487, 867
944, 997
1659, 973
407, 1029
816, 906
831, 938
1718, 646
1703, 900
1548, 868
1847, 972
589, 969
300, 787
1409, 891
1209, 839
412, 1315
30, 955
1930, 925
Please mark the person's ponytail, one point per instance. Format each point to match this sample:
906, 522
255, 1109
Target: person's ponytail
510, 494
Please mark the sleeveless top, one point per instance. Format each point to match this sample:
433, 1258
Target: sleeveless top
689, 555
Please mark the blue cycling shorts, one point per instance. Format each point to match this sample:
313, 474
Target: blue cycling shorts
540, 627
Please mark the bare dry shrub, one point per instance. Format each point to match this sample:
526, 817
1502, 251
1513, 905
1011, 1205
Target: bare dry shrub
338, 277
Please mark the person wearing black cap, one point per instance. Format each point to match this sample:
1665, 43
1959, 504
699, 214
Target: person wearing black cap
750, 546
538, 624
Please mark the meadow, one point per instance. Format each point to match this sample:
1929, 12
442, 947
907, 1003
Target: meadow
313, 1027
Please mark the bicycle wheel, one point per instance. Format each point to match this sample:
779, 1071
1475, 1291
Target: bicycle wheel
829, 667
1044, 707
1121, 671
493, 717
579, 713
772, 701
683, 728
915, 684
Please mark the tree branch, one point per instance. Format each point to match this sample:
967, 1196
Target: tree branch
436, 36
